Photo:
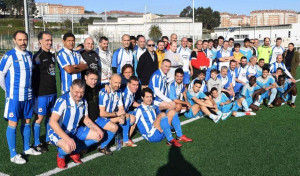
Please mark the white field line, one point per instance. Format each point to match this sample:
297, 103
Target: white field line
96, 155
3, 174
298, 80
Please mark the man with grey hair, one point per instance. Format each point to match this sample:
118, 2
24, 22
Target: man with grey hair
147, 64
185, 54
90, 56
122, 55
65, 132
176, 61
226, 86
173, 38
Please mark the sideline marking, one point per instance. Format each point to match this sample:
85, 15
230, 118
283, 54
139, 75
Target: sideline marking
96, 155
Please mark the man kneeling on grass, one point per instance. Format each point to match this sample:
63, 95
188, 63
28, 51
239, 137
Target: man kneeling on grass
155, 125
65, 133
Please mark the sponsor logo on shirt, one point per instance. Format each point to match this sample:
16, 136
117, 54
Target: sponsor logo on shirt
40, 109
11, 114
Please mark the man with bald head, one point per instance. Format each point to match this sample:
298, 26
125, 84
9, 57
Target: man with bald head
122, 55
90, 56
176, 61
173, 38
112, 113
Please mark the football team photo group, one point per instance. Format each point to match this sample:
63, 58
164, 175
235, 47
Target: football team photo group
144, 87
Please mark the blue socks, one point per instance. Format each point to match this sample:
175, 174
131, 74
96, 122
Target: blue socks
176, 125
47, 128
61, 153
164, 124
125, 127
25, 132
245, 105
36, 133
110, 136
11, 140
90, 142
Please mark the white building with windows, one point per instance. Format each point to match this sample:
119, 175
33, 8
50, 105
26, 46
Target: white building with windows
137, 25
289, 33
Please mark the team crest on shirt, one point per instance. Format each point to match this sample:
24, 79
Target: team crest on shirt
11, 114
40, 109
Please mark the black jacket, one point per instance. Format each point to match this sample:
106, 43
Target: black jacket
146, 67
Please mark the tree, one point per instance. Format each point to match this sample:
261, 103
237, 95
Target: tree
155, 32
209, 18
68, 24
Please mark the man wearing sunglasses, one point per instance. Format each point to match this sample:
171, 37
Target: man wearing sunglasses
147, 64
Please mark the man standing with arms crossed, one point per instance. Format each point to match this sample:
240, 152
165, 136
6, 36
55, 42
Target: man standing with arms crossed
185, 54
15, 80
70, 62
105, 60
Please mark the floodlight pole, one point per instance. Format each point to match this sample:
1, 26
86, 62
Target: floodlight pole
193, 21
26, 17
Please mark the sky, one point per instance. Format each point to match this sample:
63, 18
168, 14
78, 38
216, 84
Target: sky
174, 7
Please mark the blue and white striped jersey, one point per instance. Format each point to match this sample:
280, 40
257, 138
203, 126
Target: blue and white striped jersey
122, 57
259, 70
70, 112
248, 91
16, 66
263, 83
145, 117
175, 91
67, 57
223, 53
234, 74
128, 98
110, 100
158, 80
203, 86
276, 65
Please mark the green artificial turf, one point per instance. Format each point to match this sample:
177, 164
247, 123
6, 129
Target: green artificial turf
266, 144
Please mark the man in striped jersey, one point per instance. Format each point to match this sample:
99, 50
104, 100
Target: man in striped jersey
155, 125
122, 55
279, 64
65, 133
15, 80
70, 62
158, 84
128, 96
201, 77
112, 113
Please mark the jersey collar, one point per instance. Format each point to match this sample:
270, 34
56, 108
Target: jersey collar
20, 51
68, 51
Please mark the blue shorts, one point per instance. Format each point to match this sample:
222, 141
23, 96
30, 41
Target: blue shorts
80, 135
154, 136
43, 105
101, 122
236, 107
264, 95
186, 78
15, 110
238, 87
225, 108
189, 114
288, 97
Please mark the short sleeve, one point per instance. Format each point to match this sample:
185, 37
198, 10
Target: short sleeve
60, 106
172, 92
62, 60
120, 102
102, 98
137, 113
5, 63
